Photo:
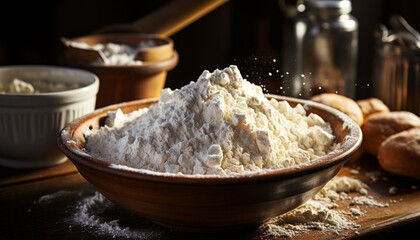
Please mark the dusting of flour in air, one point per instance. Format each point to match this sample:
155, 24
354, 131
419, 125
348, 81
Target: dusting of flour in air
219, 125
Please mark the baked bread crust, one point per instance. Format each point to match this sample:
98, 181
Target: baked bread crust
400, 153
371, 105
379, 126
341, 103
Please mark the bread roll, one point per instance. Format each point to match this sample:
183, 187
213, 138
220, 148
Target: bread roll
342, 103
400, 153
371, 105
379, 126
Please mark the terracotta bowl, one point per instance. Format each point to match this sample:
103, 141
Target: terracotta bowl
121, 83
193, 203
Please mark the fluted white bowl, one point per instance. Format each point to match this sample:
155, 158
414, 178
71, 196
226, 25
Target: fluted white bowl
30, 123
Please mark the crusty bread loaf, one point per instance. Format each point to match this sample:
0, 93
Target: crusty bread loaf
379, 126
371, 105
342, 103
400, 153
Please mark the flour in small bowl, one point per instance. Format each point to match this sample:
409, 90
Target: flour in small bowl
115, 53
219, 125
19, 86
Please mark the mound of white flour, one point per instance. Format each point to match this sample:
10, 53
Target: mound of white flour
221, 124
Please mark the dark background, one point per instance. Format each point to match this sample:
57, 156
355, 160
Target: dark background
236, 33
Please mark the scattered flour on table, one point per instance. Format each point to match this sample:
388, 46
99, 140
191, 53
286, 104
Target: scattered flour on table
355, 211
392, 190
321, 212
367, 200
53, 196
219, 125
88, 212
99, 215
94, 212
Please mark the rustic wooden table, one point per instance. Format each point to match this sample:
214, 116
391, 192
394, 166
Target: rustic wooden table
28, 210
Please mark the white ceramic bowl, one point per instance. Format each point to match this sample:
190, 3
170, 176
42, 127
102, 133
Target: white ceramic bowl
30, 123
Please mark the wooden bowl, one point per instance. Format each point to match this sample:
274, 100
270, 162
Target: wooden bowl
121, 83
210, 203
161, 51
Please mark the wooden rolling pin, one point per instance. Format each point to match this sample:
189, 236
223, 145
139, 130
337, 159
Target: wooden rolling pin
167, 20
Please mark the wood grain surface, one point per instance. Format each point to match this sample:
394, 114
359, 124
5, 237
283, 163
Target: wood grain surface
28, 213
9, 176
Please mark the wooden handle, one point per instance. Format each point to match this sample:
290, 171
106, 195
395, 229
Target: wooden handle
169, 19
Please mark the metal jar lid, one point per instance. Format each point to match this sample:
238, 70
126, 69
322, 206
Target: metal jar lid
344, 6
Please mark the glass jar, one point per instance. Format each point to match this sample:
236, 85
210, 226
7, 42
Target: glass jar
320, 49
